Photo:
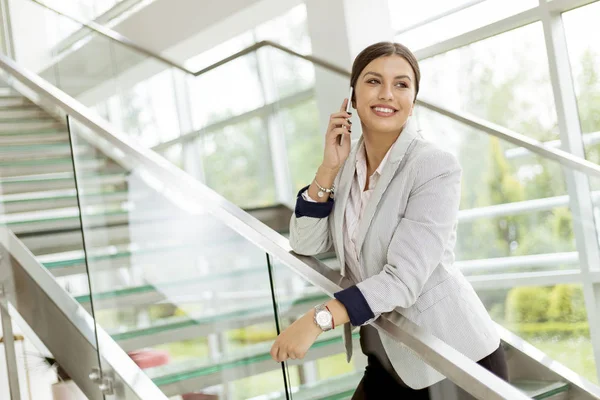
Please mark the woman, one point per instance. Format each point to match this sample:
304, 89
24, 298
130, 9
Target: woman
393, 227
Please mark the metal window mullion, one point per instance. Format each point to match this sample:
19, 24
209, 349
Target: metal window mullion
276, 135
578, 185
191, 157
8, 43
507, 24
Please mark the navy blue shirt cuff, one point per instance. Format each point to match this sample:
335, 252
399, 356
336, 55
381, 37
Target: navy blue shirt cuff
356, 305
309, 209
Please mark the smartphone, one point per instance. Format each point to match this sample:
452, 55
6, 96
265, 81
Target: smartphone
348, 107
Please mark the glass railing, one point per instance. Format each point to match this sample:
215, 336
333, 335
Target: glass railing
189, 298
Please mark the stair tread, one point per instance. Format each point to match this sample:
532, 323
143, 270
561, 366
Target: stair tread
344, 385
48, 195
540, 389
47, 161
38, 118
247, 309
42, 131
54, 176
60, 214
248, 355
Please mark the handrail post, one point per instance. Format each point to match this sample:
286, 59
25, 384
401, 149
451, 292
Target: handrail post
9, 347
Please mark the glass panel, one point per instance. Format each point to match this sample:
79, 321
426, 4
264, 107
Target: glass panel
471, 18
188, 298
237, 163
503, 80
517, 229
304, 141
324, 371
231, 89
584, 54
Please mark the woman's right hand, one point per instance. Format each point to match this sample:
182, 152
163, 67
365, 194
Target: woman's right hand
339, 124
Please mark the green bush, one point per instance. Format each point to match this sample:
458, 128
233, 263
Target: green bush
527, 304
560, 330
566, 304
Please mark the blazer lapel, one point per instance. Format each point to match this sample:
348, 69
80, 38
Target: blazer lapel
399, 149
341, 199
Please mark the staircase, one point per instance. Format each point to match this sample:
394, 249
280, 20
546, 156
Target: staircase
187, 297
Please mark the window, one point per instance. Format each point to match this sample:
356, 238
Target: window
503, 79
474, 17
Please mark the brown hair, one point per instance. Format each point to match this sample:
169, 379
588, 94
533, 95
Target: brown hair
384, 49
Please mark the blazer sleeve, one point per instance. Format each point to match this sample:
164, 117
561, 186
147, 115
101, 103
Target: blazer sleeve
309, 226
417, 245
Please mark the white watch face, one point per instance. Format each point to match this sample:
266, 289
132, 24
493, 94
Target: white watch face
323, 318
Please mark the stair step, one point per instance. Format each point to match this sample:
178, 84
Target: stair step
336, 388
29, 125
22, 113
7, 134
188, 376
62, 218
227, 317
14, 101
540, 389
12, 154
56, 181
342, 387
53, 166
34, 139
47, 200
15, 119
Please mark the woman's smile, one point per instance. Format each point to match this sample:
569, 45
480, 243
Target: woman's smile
383, 111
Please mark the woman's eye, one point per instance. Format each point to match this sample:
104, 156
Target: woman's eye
372, 81
402, 84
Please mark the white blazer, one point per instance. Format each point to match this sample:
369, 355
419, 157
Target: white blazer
405, 243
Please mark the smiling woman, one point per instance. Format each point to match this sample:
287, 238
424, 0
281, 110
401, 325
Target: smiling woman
393, 228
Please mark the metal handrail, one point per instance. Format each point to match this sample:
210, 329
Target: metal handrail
117, 37
194, 197
564, 158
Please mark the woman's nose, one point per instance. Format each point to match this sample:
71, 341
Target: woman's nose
385, 93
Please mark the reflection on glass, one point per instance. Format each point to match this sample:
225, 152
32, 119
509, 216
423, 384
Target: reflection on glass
184, 295
471, 18
503, 79
584, 54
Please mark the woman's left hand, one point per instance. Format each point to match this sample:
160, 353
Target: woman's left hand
295, 341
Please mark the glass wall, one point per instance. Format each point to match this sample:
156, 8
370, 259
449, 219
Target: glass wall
523, 220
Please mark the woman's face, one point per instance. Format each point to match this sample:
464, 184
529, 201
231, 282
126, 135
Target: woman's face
385, 92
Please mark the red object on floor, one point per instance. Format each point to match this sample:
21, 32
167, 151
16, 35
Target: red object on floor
148, 358
199, 396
